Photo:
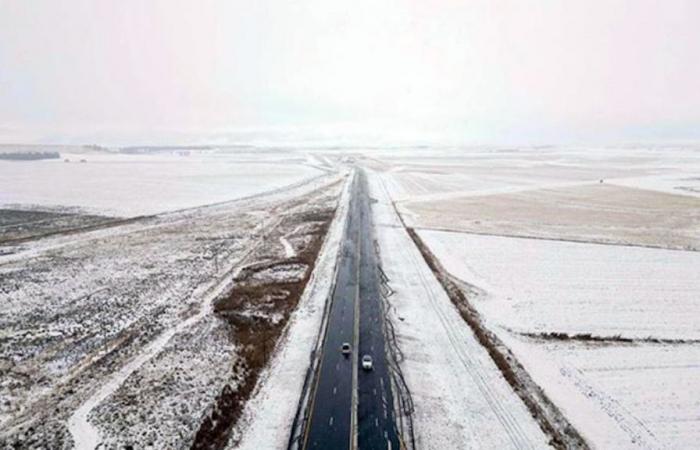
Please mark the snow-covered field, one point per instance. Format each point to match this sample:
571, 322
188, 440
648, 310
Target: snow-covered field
646, 197
597, 212
635, 387
108, 335
537, 285
461, 399
639, 395
429, 173
129, 185
607, 326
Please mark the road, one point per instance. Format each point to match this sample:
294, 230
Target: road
375, 412
355, 317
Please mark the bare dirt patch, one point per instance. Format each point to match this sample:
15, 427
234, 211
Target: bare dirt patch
258, 308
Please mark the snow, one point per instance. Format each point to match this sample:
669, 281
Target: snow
626, 396
84, 434
269, 415
679, 184
131, 185
174, 389
94, 320
647, 196
84, 314
618, 395
643, 393
288, 248
281, 273
542, 285
461, 399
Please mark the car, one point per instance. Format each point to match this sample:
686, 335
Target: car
367, 362
345, 348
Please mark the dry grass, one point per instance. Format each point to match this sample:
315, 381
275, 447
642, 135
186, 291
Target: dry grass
592, 213
595, 339
257, 335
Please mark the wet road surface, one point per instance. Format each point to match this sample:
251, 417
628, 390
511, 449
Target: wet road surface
331, 424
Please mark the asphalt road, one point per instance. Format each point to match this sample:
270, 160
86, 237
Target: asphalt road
375, 412
331, 424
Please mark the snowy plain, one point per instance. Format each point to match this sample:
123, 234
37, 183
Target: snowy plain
636, 388
638, 196
148, 275
461, 399
96, 319
609, 332
126, 185
539, 285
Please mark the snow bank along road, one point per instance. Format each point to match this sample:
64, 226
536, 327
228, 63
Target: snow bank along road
461, 399
350, 409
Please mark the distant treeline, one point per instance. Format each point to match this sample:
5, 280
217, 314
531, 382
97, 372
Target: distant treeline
159, 149
29, 156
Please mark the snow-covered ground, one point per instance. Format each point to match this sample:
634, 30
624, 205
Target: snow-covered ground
537, 285
683, 184
426, 174
618, 394
130, 185
627, 396
637, 196
94, 324
107, 334
461, 399
610, 332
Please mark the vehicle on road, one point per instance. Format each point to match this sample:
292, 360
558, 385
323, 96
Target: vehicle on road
367, 362
345, 348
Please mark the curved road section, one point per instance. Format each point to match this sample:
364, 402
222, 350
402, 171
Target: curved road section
352, 407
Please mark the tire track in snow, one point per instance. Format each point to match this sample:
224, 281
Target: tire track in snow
456, 332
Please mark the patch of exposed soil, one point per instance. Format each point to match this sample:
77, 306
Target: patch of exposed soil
258, 308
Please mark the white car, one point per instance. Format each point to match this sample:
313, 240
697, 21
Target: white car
367, 362
346, 349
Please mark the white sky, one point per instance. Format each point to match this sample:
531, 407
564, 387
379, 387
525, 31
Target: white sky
136, 71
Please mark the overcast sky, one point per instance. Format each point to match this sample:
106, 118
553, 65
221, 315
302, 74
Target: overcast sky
471, 71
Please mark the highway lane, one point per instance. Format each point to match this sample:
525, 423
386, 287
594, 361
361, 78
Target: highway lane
375, 414
331, 425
